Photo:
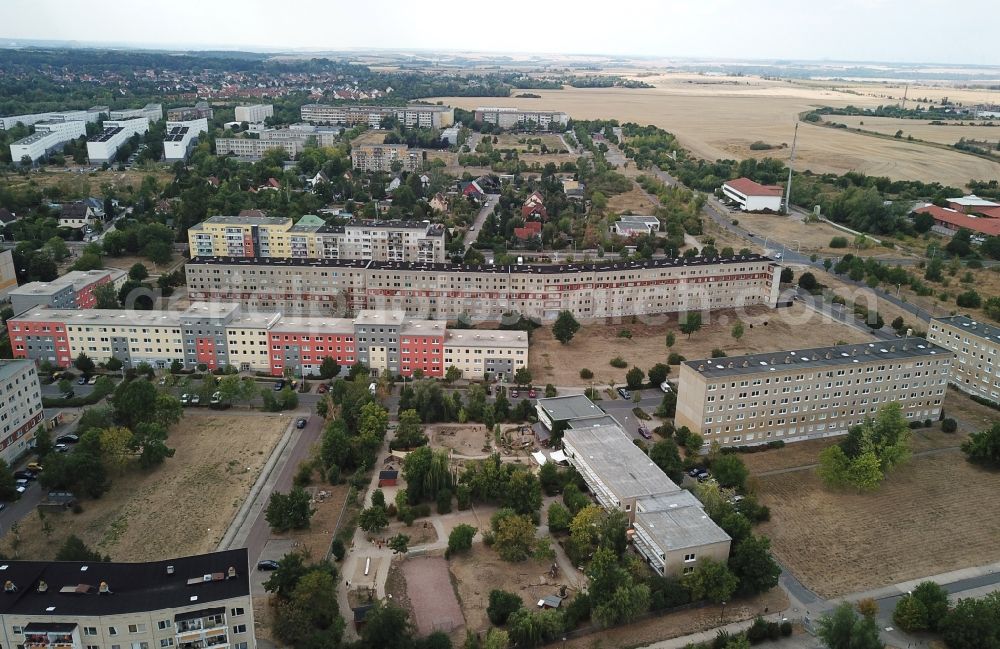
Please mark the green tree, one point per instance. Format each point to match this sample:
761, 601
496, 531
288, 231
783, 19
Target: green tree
690, 323
289, 511
935, 601
983, 447
460, 538
666, 455
452, 374
752, 564
43, 446
399, 544
84, 364
513, 535
973, 623
671, 339
910, 614
658, 374
633, 378
738, 330
522, 376
845, 629
373, 519
565, 327
730, 471
8, 491
559, 518
329, 368
710, 580
387, 626
57, 249
74, 549
502, 605
138, 272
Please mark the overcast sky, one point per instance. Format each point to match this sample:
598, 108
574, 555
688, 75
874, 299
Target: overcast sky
854, 30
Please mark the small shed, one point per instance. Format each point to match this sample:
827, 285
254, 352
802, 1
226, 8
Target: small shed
360, 613
550, 601
388, 478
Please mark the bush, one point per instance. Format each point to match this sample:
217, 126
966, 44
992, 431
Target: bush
586, 374
625, 333
949, 425
675, 359
838, 242
337, 549
718, 353
969, 300
502, 605
460, 538
618, 362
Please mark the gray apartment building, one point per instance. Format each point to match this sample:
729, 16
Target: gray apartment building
670, 527
810, 393
976, 346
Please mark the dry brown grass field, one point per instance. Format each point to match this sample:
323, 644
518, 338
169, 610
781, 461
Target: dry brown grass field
950, 133
595, 345
805, 237
189, 501
721, 117
934, 514
634, 200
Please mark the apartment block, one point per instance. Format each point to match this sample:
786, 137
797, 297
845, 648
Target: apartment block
255, 113
437, 291
92, 114
291, 140
74, 290
312, 238
976, 346
222, 334
152, 112
381, 157
48, 136
181, 137
200, 110
669, 526
103, 146
187, 603
422, 116
514, 117
20, 407
809, 393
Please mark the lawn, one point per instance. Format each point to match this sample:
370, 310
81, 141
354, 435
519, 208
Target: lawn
935, 514
595, 345
179, 509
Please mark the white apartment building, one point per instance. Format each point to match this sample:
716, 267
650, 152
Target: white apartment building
292, 140
423, 116
152, 112
809, 393
90, 115
976, 346
670, 528
48, 136
380, 157
103, 146
477, 352
187, 603
181, 137
513, 117
20, 407
255, 113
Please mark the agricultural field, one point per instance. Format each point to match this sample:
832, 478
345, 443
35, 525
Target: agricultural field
948, 133
935, 514
218, 459
595, 345
722, 117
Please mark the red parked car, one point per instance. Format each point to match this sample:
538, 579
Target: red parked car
531, 393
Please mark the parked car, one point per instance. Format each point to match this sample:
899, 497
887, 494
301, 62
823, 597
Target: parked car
20, 488
24, 474
195, 399
514, 393
704, 475
92, 380
532, 393
323, 388
216, 398
625, 394
666, 387
185, 399
62, 448
301, 423
22, 482
69, 394
645, 432
68, 438
82, 380
35, 466
267, 564
695, 471
279, 386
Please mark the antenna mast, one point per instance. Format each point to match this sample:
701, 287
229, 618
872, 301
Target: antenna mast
905, 92
791, 161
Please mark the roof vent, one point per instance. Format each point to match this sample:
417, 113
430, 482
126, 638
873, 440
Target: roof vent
9, 587
788, 359
231, 573
892, 348
42, 586
701, 368
103, 589
828, 356
170, 570
746, 363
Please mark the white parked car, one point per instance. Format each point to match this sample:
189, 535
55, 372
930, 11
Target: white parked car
666, 387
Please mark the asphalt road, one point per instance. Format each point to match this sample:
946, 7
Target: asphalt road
477, 225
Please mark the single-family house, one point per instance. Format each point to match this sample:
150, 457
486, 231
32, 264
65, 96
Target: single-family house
75, 215
530, 229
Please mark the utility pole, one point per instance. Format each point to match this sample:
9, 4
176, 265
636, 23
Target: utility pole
905, 92
791, 161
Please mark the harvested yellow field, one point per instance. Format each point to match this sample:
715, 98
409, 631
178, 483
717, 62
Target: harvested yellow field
720, 117
949, 133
